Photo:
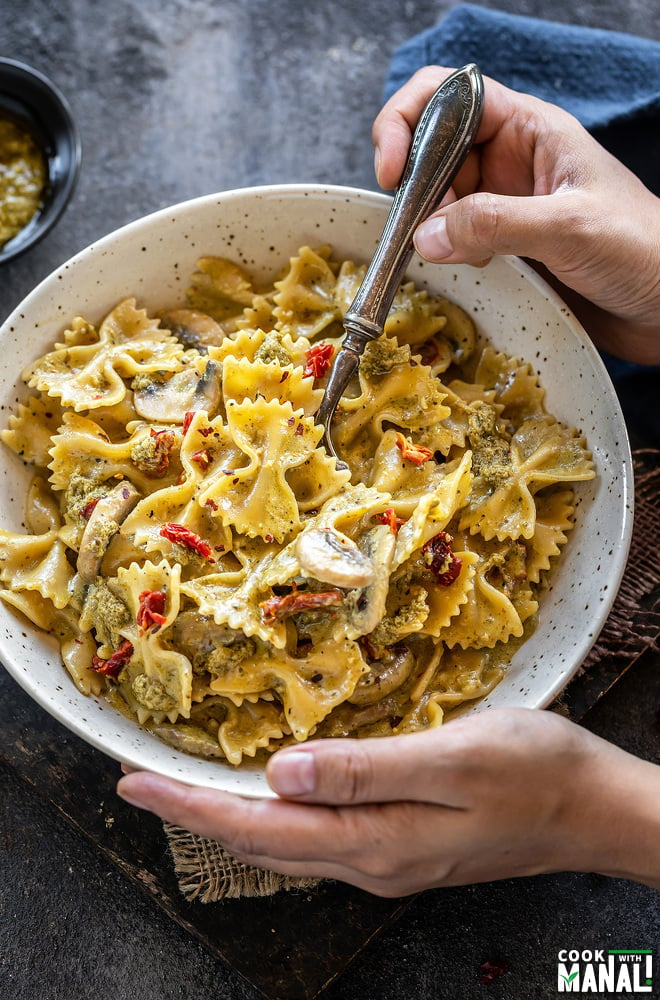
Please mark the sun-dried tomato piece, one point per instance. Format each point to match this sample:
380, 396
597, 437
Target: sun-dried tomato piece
276, 608
203, 457
180, 535
113, 665
86, 512
319, 358
150, 612
389, 518
438, 555
418, 454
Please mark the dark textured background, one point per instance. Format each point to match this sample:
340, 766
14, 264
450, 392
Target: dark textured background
176, 99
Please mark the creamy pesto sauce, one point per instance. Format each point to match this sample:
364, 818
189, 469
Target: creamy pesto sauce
23, 176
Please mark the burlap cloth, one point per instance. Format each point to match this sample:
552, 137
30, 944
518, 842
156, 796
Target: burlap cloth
208, 873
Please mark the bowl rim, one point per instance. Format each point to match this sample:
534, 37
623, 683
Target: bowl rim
96, 249
46, 217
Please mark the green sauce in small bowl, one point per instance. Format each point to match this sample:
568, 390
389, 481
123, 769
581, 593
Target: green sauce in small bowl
23, 177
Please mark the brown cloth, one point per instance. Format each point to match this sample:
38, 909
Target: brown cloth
207, 872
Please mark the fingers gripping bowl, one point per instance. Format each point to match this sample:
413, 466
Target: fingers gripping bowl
260, 229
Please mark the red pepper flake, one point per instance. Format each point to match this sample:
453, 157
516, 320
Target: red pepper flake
269, 538
389, 518
211, 504
187, 420
150, 612
86, 512
284, 377
300, 430
291, 421
183, 536
276, 608
438, 555
182, 477
205, 431
113, 665
492, 970
319, 359
203, 457
418, 454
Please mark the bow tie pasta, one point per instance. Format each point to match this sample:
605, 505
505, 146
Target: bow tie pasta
206, 564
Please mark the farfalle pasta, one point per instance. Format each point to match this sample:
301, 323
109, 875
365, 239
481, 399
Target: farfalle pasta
206, 564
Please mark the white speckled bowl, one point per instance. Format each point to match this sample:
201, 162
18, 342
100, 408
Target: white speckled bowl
260, 227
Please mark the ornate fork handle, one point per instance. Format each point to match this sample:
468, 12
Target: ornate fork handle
442, 140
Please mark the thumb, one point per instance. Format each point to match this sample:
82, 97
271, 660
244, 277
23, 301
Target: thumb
412, 767
474, 228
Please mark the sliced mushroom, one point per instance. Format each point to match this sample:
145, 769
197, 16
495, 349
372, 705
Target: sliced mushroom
108, 514
333, 558
190, 739
347, 719
385, 676
368, 604
193, 328
211, 648
187, 391
198, 635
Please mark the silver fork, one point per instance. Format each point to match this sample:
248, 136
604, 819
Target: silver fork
442, 140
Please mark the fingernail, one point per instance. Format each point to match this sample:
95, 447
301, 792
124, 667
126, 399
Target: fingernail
431, 239
377, 163
293, 773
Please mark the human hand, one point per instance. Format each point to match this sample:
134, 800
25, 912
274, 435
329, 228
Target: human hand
505, 793
536, 184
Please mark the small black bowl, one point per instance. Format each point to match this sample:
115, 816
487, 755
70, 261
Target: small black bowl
30, 98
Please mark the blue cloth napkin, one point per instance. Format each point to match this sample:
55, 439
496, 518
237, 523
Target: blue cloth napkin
609, 80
